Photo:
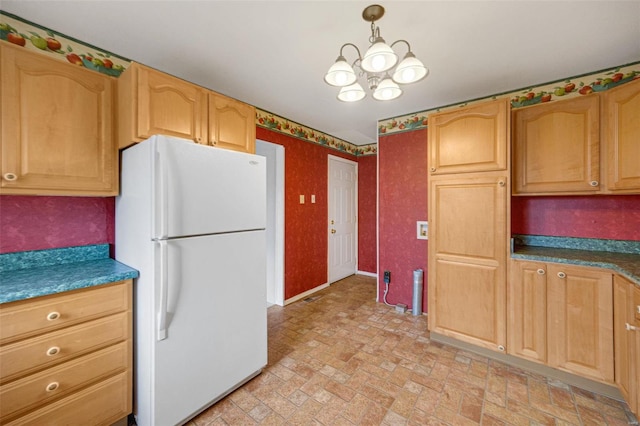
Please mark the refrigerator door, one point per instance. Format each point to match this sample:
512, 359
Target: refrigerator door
215, 323
201, 190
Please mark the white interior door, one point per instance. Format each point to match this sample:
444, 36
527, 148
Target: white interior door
275, 220
343, 213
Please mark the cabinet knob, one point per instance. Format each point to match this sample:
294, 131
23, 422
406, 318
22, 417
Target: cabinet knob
501, 183
52, 386
630, 327
53, 316
53, 350
501, 348
10, 177
197, 140
561, 275
594, 183
540, 271
638, 309
433, 169
333, 231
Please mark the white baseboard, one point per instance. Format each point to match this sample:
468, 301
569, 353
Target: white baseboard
368, 274
305, 294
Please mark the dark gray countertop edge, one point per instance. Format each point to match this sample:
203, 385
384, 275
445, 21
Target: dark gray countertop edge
597, 264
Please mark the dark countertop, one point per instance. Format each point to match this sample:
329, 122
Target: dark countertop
31, 274
625, 263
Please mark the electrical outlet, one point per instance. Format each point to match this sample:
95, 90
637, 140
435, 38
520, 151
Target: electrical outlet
387, 277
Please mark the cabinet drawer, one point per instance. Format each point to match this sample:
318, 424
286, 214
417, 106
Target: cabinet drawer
31, 355
31, 317
63, 379
101, 404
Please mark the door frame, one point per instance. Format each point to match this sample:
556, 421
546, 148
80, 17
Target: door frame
355, 210
275, 216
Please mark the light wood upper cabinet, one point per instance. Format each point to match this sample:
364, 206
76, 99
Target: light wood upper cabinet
231, 124
57, 127
621, 135
467, 258
151, 102
470, 139
626, 357
556, 147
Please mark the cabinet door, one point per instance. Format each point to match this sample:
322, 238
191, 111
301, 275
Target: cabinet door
471, 139
580, 321
622, 137
467, 255
232, 124
624, 339
527, 325
57, 127
556, 147
169, 106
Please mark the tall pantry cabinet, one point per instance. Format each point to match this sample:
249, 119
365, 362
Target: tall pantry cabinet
469, 223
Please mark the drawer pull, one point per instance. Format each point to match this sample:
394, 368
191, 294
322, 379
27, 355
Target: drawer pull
562, 275
52, 386
53, 350
53, 316
10, 177
540, 271
594, 183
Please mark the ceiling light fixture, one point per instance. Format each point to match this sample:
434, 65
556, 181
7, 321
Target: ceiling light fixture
377, 66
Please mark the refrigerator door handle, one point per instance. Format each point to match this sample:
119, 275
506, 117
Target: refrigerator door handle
161, 183
163, 291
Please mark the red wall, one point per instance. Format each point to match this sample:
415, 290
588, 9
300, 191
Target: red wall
615, 217
367, 170
37, 223
402, 202
305, 225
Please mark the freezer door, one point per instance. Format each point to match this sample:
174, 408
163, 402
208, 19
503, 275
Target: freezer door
215, 323
200, 190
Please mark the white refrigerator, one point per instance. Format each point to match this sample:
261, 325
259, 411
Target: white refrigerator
191, 219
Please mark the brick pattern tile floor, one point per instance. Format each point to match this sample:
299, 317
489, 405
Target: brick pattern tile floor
343, 359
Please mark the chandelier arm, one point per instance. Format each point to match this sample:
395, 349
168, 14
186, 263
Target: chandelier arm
403, 41
355, 47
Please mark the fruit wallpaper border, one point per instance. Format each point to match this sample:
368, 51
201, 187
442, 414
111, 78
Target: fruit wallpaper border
48, 42
548, 92
43, 40
279, 124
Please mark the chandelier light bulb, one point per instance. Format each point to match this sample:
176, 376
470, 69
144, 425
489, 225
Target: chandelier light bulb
387, 90
352, 93
379, 58
410, 70
340, 74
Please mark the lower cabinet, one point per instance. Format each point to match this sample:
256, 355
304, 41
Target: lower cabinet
66, 358
626, 327
562, 316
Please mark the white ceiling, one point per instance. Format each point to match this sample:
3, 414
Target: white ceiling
273, 54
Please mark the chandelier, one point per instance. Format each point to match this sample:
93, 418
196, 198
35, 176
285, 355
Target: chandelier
377, 66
